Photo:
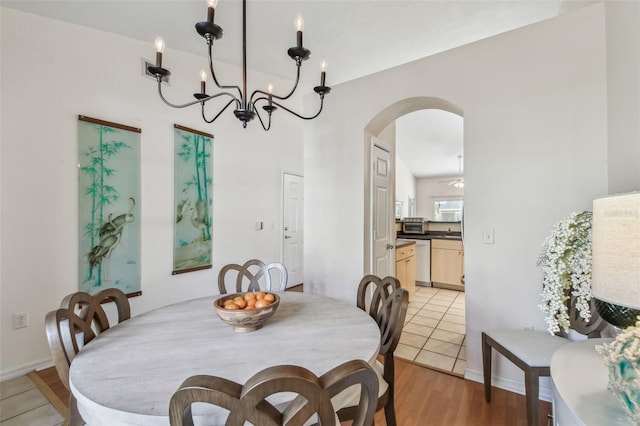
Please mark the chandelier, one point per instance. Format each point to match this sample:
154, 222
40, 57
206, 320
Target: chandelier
246, 108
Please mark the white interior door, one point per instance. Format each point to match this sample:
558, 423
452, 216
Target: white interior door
382, 210
293, 229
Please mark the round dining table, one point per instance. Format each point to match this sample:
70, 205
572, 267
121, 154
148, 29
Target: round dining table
127, 375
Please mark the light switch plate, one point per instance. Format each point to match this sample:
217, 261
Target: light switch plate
487, 236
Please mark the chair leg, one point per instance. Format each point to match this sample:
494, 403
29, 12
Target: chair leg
531, 383
389, 412
486, 367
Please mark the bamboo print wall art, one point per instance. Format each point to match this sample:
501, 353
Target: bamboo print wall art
193, 200
108, 206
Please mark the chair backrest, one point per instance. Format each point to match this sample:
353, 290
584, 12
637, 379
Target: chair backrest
253, 275
380, 289
248, 402
79, 320
280, 272
388, 308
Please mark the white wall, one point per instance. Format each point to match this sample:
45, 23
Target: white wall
534, 102
427, 189
51, 75
623, 99
405, 185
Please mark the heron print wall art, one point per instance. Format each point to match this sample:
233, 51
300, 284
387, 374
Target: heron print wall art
108, 206
193, 200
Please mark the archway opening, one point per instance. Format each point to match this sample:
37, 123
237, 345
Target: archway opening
436, 337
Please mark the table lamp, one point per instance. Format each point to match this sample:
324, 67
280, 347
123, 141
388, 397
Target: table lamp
615, 287
615, 283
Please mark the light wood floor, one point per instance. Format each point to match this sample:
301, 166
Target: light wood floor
424, 397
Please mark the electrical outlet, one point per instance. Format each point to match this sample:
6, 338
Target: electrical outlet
21, 320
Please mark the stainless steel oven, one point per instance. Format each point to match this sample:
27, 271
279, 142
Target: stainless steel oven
413, 225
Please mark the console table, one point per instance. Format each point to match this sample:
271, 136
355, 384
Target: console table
579, 382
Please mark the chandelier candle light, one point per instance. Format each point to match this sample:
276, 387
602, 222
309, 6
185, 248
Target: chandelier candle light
245, 107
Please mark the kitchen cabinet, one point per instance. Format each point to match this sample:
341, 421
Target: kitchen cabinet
406, 266
447, 264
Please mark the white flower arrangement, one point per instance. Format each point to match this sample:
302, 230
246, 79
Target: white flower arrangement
566, 263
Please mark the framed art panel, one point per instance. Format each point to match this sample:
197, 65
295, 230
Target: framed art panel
193, 200
108, 206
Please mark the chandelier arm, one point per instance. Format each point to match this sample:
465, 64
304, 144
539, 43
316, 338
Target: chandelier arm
219, 112
295, 87
197, 101
215, 79
298, 115
260, 118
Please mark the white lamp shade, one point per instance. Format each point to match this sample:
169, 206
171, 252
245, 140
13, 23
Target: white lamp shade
616, 250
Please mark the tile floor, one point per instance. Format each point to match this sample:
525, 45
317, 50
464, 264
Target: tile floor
434, 330
22, 403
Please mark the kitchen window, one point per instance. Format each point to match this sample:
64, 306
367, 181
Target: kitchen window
447, 210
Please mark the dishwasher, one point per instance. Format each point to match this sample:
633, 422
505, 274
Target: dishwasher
423, 262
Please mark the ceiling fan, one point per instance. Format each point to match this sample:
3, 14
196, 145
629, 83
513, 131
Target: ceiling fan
459, 181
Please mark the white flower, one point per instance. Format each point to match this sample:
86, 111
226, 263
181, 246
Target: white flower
566, 263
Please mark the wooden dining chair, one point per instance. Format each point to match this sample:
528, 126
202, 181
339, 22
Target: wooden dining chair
312, 399
388, 308
278, 276
79, 320
531, 351
253, 275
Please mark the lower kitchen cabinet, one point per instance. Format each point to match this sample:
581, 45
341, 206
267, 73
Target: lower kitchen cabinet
406, 267
447, 264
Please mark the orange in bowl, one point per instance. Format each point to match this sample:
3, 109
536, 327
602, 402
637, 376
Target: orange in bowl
252, 316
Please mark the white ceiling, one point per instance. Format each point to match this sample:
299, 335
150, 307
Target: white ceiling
356, 38
429, 143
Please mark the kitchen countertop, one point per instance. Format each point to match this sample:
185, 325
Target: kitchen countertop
455, 236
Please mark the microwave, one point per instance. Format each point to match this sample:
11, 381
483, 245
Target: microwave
414, 225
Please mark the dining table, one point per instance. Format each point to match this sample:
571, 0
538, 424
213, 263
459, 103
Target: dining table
127, 375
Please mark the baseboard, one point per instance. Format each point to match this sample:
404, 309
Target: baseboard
298, 287
510, 385
25, 369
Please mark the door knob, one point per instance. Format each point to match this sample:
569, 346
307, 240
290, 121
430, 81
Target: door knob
389, 246
287, 236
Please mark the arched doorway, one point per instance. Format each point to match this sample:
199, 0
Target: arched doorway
373, 135
436, 337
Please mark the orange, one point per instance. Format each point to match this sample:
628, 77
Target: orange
262, 304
